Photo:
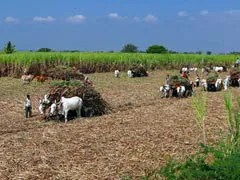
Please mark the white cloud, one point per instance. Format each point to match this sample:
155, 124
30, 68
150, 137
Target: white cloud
233, 11
44, 19
150, 19
77, 19
116, 16
182, 14
137, 19
10, 19
204, 13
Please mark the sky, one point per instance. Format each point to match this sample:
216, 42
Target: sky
106, 25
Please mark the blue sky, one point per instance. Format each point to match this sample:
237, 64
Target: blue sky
92, 25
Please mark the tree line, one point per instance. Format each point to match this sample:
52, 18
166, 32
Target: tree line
9, 48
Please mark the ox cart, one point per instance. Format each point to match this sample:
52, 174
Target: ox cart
139, 71
93, 103
235, 76
211, 83
65, 73
177, 84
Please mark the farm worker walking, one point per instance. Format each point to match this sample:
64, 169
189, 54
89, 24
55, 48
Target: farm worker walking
28, 106
197, 80
167, 79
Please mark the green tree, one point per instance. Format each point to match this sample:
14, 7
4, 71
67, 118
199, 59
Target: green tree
157, 49
209, 52
129, 48
9, 48
44, 50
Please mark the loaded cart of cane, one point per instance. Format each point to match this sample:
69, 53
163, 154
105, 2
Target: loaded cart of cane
214, 83
235, 77
180, 87
138, 71
93, 103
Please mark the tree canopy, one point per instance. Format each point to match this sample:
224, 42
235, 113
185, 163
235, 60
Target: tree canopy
157, 49
9, 48
44, 50
209, 52
129, 48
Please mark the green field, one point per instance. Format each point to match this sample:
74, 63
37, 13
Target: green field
164, 60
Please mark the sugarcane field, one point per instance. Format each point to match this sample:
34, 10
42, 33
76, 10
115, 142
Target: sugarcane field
119, 90
127, 126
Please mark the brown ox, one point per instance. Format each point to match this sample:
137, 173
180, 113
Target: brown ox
41, 78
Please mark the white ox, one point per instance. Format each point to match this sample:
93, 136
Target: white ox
73, 103
130, 74
55, 109
184, 69
181, 90
42, 103
218, 69
165, 90
117, 73
194, 69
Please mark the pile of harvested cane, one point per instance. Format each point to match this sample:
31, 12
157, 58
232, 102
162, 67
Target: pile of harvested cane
212, 78
93, 103
139, 71
177, 80
64, 73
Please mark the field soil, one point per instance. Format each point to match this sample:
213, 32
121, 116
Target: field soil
141, 134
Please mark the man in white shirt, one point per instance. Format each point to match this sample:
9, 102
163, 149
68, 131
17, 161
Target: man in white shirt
226, 83
28, 107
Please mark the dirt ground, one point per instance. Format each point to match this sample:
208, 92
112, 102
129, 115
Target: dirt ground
141, 134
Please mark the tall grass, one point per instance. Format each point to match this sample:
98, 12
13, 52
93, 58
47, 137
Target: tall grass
199, 105
169, 60
233, 139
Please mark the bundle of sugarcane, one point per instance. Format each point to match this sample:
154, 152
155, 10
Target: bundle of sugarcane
64, 73
235, 73
212, 78
177, 80
92, 100
138, 71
